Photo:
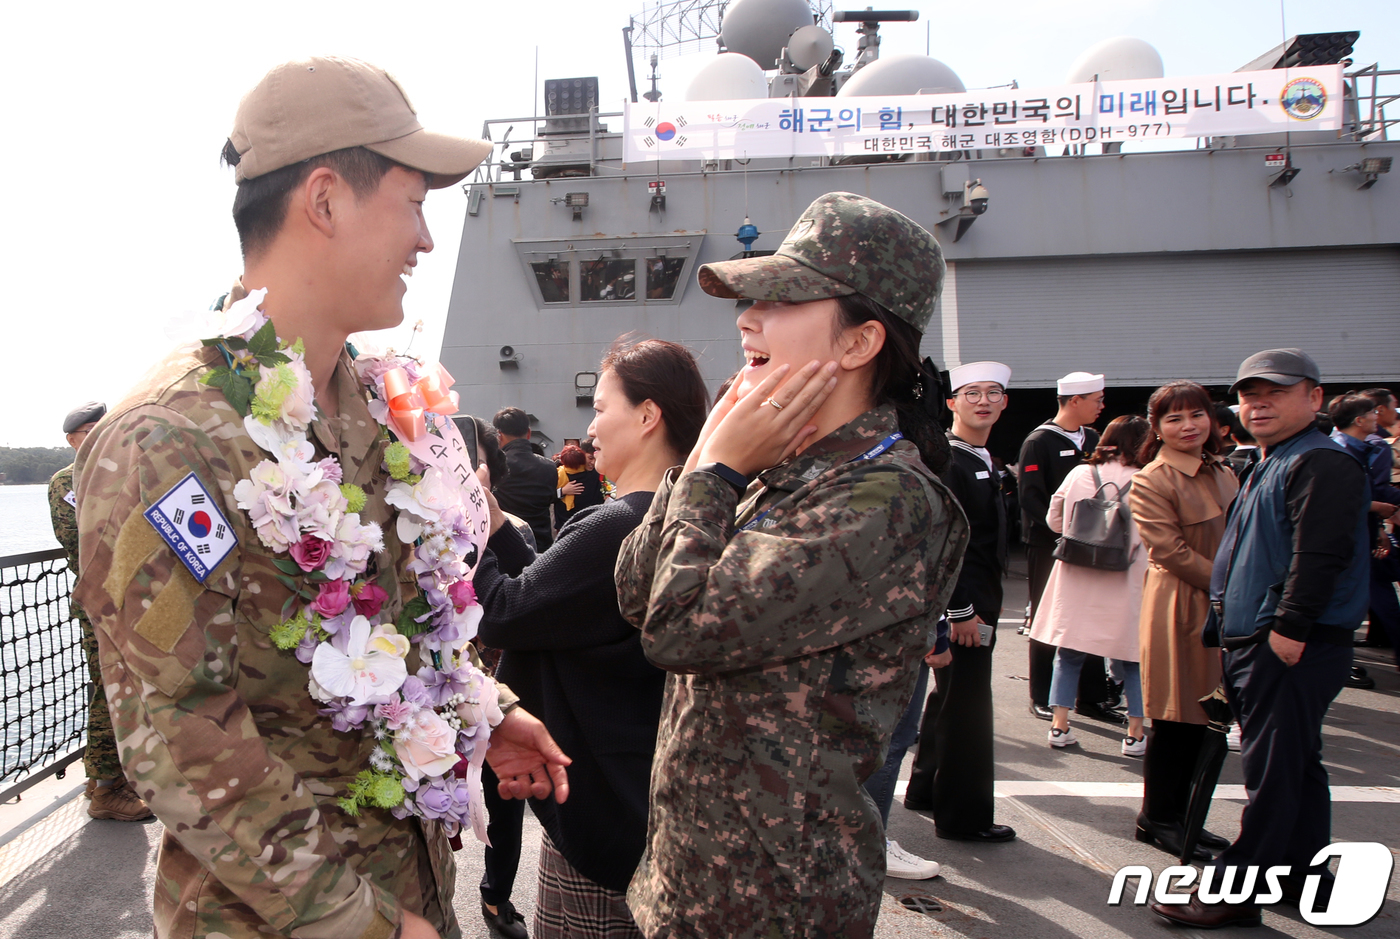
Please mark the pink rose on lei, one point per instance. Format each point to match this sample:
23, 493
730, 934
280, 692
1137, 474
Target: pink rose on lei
368, 599
426, 745
333, 598
463, 595
311, 552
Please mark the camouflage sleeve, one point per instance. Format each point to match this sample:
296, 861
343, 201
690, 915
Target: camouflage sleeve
848, 560
63, 515
188, 742
636, 562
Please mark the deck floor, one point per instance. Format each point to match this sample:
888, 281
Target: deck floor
63, 875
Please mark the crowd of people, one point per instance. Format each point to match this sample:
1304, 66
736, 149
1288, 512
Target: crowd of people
712, 625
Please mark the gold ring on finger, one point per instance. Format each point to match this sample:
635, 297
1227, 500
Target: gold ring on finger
774, 403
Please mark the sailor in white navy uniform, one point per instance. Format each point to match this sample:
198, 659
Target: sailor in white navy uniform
1048, 454
953, 775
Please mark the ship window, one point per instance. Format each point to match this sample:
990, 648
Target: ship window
553, 277
608, 279
662, 276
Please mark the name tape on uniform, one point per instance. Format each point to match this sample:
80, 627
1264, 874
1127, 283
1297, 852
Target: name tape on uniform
984, 474
1066, 453
188, 519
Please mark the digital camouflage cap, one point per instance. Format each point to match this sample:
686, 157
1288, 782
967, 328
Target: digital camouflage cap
843, 244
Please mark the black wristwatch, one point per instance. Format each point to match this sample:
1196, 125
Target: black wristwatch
738, 480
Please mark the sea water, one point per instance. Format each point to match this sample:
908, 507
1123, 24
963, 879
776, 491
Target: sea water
24, 520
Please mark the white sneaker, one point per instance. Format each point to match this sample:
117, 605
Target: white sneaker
1134, 746
900, 863
1062, 738
1232, 739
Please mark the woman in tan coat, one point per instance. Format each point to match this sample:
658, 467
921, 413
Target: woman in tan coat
1179, 501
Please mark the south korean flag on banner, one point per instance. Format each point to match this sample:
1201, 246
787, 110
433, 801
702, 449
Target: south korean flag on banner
188, 519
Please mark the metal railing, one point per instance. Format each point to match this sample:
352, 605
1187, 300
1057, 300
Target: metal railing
1371, 99
44, 684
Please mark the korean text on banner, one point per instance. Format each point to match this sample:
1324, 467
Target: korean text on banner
1271, 101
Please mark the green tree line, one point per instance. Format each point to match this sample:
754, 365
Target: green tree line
32, 464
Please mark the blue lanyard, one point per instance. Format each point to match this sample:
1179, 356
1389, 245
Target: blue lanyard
870, 454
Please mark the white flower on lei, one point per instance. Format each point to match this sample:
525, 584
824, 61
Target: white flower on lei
320, 505
421, 504
299, 407
241, 319
267, 497
351, 547
286, 444
369, 670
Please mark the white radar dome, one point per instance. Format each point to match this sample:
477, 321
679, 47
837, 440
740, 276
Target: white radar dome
902, 75
809, 46
760, 28
729, 76
1121, 58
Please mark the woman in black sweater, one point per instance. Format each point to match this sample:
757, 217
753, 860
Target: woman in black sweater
573, 659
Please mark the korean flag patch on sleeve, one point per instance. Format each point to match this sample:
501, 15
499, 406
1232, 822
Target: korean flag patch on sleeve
188, 519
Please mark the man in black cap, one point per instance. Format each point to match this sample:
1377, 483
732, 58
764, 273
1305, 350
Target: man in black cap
107, 790
531, 487
1288, 591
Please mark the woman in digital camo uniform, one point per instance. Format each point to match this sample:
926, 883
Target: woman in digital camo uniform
792, 596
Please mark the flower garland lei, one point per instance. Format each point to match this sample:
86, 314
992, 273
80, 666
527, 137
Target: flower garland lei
432, 729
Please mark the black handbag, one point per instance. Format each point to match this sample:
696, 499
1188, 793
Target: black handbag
1098, 530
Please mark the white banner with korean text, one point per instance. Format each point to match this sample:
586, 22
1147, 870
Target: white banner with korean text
1272, 101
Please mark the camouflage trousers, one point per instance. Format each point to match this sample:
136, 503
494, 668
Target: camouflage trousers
100, 759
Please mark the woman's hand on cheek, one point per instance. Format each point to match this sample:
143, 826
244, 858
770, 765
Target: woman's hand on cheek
755, 434
722, 407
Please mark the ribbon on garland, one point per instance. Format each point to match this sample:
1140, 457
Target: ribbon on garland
410, 403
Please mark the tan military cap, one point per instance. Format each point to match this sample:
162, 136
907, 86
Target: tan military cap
307, 107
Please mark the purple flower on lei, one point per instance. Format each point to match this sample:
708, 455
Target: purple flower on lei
415, 692
345, 717
441, 685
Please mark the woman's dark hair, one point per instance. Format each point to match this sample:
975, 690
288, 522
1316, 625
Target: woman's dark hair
572, 457
1345, 409
586, 445
897, 376
1177, 396
1122, 440
664, 373
260, 205
490, 451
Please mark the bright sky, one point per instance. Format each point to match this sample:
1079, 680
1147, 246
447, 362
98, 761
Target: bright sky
117, 209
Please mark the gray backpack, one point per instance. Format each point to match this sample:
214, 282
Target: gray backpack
1098, 530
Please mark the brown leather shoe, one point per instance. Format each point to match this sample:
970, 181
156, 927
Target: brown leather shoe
117, 802
1208, 915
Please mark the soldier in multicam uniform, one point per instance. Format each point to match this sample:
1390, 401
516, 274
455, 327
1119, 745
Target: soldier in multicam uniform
793, 608
107, 791
216, 727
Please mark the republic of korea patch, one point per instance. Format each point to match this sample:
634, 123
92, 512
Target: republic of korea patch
188, 519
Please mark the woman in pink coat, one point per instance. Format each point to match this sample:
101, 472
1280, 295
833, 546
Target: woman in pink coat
1086, 611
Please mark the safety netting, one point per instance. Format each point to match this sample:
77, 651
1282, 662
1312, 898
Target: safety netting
44, 684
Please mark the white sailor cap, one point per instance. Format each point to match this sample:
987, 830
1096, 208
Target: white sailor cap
979, 371
1079, 383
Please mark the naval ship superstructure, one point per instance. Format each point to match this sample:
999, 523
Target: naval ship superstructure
1146, 266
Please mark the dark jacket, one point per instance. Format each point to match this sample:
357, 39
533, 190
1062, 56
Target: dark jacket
1047, 456
1294, 557
978, 489
579, 667
529, 489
